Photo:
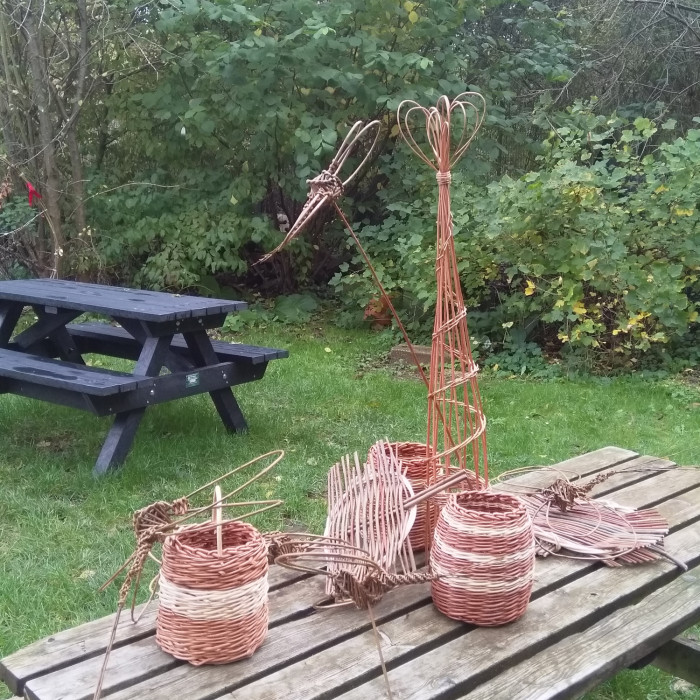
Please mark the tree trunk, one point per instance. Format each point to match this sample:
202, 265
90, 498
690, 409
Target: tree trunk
52, 181
76, 161
78, 183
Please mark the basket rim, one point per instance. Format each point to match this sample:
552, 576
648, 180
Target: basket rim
503, 504
183, 535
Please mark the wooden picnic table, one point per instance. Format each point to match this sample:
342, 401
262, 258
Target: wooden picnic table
585, 623
157, 330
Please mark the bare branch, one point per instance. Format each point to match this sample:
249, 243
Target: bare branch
664, 3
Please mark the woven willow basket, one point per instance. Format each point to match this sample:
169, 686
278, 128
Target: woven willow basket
213, 608
483, 557
413, 460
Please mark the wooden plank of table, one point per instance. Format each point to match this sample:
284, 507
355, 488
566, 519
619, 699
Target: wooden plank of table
356, 659
655, 489
311, 637
634, 470
580, 466
90, 639
562, 671
143, 658
129, 303
291, 642
104, 339
450, 667
69, 376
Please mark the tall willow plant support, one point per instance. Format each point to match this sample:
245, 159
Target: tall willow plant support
456, 422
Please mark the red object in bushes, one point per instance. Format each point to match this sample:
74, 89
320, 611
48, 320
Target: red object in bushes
32, 194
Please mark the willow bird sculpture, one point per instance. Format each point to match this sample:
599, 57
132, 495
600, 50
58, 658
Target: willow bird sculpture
327, 188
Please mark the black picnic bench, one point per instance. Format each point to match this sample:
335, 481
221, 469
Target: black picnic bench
156, 329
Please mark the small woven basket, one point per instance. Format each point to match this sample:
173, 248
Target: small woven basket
213, 607
483, 558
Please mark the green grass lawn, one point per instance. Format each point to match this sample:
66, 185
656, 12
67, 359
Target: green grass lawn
62, 533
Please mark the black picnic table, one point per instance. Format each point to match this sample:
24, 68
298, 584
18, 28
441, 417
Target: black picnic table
156, 329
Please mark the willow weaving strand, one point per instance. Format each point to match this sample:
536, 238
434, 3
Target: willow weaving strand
456, 422
568, 522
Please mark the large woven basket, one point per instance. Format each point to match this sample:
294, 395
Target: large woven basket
213, 607
483, 558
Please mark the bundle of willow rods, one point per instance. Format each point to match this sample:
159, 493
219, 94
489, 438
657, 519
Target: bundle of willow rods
213, 606
483, 558
596, 530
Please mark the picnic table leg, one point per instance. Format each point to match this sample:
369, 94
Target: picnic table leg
45, 326
65, 344
203, 354
9, 315
121, 435
140, 331
118, 441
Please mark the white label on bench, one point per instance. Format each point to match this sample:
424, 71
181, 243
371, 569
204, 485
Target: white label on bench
192, 380
51, 309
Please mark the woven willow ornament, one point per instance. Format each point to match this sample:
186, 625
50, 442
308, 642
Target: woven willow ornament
366, 511
327, 188
213, 593
230, 581
456, 423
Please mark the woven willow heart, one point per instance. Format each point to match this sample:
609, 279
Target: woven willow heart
462, 116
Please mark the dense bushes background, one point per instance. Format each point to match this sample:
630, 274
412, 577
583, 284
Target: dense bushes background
171, 142
596, 252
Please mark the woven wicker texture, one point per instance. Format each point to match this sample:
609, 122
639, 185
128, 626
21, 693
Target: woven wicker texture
456, 422
355, 576
413, 459
415, 463
482, 558
366, 511
213, 607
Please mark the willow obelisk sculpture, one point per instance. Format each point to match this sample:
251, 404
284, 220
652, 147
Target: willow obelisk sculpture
456, 423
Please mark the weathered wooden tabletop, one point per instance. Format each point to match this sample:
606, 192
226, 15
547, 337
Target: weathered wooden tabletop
585, 623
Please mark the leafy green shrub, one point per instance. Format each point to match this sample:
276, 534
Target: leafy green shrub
251, 99
18, 229
174, 238
290, 310
596, 253
602, 243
